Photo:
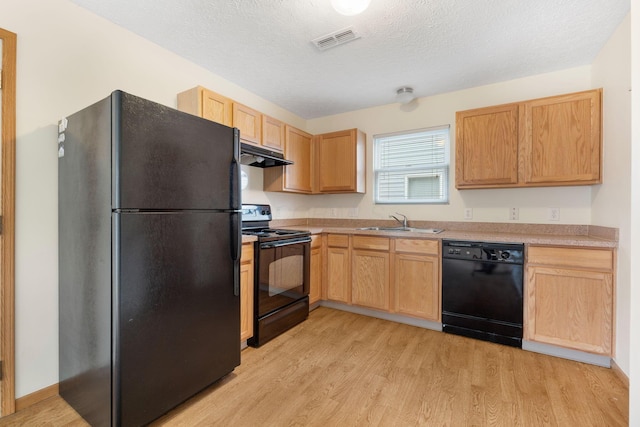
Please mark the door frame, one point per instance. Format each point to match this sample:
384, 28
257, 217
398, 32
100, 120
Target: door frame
7, 275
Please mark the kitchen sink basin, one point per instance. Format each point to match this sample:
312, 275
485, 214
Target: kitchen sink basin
409, 229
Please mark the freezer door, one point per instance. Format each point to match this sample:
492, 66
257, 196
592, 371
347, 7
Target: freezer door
167, 159
177, 319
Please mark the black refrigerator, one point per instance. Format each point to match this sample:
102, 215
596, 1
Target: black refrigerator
149, 251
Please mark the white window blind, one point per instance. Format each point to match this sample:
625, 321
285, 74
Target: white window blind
412, 167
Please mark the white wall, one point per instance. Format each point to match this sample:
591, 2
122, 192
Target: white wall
634, 330
67, 59
611, 207
488, 205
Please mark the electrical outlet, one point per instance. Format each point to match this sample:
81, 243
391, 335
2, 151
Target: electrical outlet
334, 213
468, 213
514, 214
554, 214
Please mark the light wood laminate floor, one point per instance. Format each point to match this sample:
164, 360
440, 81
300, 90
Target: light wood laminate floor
343, 369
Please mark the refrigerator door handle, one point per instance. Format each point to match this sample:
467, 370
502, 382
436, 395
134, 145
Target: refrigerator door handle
235, 172
236, 249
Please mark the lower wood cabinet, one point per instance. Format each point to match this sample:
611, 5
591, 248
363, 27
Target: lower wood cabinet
569, 299
246, 292
338, 277
315, 285
370, 272
416, 278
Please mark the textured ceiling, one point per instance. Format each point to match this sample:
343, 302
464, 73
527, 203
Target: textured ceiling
433, 46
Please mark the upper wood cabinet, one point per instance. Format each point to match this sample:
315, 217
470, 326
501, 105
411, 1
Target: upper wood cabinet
340, 162
487, 146
273, 133
294, 178
542, 142
207, 104
249, 122
563, 140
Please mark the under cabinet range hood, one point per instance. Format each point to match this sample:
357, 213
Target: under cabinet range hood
261, 157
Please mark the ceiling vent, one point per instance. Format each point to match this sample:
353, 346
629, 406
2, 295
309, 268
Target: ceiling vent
335, 39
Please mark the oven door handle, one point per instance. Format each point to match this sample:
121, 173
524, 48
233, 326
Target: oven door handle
281, 243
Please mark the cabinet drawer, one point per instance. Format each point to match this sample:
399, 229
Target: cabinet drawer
316, 241
368, 242
594, 259
418, 246
338, 240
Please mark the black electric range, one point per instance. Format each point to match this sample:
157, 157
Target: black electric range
282, 274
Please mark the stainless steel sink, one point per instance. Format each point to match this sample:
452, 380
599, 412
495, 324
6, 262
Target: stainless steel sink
409, 229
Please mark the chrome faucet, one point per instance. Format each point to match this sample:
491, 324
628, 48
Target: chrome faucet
403, 220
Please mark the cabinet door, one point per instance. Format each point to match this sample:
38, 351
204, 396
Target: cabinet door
370, 279
338, 275
487, 147
246, 292
273, 133
340, 162
417, 286
249, 122
562, 142
570, 308
315, 286
207, 104
297, 177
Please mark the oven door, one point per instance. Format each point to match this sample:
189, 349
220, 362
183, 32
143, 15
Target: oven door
282, 274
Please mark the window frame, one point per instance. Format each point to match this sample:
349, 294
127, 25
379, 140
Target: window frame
441, 169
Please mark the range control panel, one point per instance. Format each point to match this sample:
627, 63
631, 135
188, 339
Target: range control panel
251, 213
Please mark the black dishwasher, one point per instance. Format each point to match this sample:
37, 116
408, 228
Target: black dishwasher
482, 290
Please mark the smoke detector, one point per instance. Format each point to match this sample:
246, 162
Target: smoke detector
335, 38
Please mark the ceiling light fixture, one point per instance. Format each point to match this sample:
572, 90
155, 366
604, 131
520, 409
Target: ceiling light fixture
404, 95
350, 7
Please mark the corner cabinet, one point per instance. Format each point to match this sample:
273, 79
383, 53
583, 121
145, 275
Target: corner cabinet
246, 292
550, 141
330, 163
570, 298
416, 278
295, 178
340, 162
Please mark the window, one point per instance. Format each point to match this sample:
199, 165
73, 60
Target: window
412, 167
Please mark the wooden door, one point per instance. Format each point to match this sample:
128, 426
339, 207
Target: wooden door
562, 142
246, 292
315, 286
338, 274
249, 122
273, 133
487, 147
370, 278
340, 162
570, 308
207, 104
417, 285
8, 42
297, 177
